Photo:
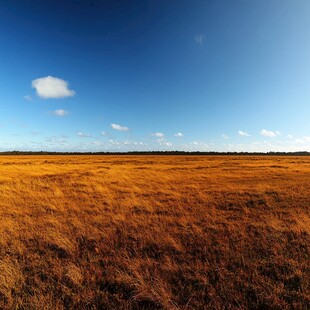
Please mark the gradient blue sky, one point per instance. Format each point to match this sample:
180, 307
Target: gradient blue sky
172, 75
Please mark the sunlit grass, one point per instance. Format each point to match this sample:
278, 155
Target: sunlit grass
148, 232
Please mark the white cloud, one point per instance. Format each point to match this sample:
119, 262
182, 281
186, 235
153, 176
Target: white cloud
52, 87
225, 137
305, 139
83, 135
199, 38
62, 140
299, 141
179, 134
104, 133
119, 127
98, 143
158, 134
28, 98
243, 133
269, 133
114, 142
290, 136
60, 113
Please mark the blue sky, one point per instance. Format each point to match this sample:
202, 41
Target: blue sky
155, 75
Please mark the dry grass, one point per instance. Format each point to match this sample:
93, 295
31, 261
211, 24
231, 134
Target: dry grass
154, 232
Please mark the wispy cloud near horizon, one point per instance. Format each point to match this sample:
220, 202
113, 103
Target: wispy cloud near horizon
243, 133
158, 134
60, 113
179, 134
119, 127
269, 133
83, 135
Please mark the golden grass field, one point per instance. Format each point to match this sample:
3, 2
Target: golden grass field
154, 232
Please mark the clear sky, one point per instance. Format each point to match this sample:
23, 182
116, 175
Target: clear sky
155, 75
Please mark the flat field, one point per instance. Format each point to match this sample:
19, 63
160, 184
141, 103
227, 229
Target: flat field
154, 232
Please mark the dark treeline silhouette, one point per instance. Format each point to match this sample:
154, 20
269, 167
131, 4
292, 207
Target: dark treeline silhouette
301, 153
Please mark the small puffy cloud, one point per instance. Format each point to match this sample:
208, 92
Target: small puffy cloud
269, 133
158, 134
119, 127
60, 113
28, 98
225, 137
104, 133
52, 87
199, 38
290, 136
179, 134
83, 135
243, 133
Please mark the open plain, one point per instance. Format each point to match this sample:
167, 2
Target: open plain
154, 232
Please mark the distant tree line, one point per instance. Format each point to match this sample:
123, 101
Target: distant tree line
301, 153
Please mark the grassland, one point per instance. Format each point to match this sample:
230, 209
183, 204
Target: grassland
154, 232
